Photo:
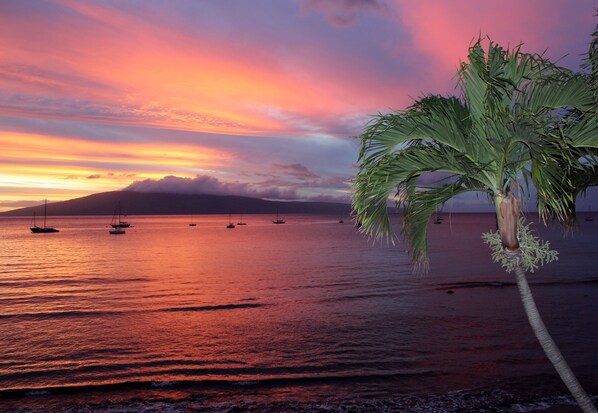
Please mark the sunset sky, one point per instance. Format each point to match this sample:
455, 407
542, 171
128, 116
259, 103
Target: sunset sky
249, 97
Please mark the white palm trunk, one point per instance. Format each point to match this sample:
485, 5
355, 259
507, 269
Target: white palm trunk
547, 343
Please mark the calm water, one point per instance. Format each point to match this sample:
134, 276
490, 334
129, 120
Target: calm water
306, 316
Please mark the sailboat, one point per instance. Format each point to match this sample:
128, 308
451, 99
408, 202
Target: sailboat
118, 223
42, 230
438, 219
241, 221
192, 223
230, 223
278, 220
117, 231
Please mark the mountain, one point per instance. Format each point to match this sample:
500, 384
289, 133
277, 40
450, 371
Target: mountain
145, 203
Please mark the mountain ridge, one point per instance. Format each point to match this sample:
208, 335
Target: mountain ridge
158, 203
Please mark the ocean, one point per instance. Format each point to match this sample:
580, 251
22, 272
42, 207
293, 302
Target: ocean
308, 316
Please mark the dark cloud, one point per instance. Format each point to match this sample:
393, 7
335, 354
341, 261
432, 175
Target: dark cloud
268, 189
342, 13
204, 184
330, 198
296, 170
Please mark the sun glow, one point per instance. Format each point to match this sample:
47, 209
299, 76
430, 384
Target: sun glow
59, 167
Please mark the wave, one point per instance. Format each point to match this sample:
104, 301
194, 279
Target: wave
27, 282
214, 307
268, 396
501, 284
222, 384
102, 313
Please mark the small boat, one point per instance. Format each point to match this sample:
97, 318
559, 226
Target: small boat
241, 221
118, 223
589, 219
230, 223
42, 230
192, 225
438, 219
278, 220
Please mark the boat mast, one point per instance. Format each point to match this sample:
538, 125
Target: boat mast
45, 211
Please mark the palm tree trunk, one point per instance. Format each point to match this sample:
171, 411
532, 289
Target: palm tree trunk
546, 341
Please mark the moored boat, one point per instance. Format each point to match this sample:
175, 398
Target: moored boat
45, 229
117, 223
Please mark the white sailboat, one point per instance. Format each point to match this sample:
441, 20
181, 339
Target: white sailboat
45, 229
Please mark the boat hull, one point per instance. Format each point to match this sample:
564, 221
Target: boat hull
121, 225
44, 230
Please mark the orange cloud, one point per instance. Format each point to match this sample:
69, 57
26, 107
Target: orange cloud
58, 163
107, 65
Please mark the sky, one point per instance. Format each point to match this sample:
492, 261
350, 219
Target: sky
247, 97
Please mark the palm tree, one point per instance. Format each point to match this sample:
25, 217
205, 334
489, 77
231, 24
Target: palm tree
518, 123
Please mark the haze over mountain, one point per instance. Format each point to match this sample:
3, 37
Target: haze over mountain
143, 203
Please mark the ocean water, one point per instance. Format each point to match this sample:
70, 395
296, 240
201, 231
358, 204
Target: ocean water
306, 316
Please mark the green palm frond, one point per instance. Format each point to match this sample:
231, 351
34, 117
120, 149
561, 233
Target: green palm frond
400, 172
568, 90
444, 120
419, 206
583, 133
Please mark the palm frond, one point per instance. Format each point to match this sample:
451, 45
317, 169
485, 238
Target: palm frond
564, 91
379, 177
419, 206
434, 118
583, 133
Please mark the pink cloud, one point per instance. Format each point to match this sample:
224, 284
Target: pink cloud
444, 30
